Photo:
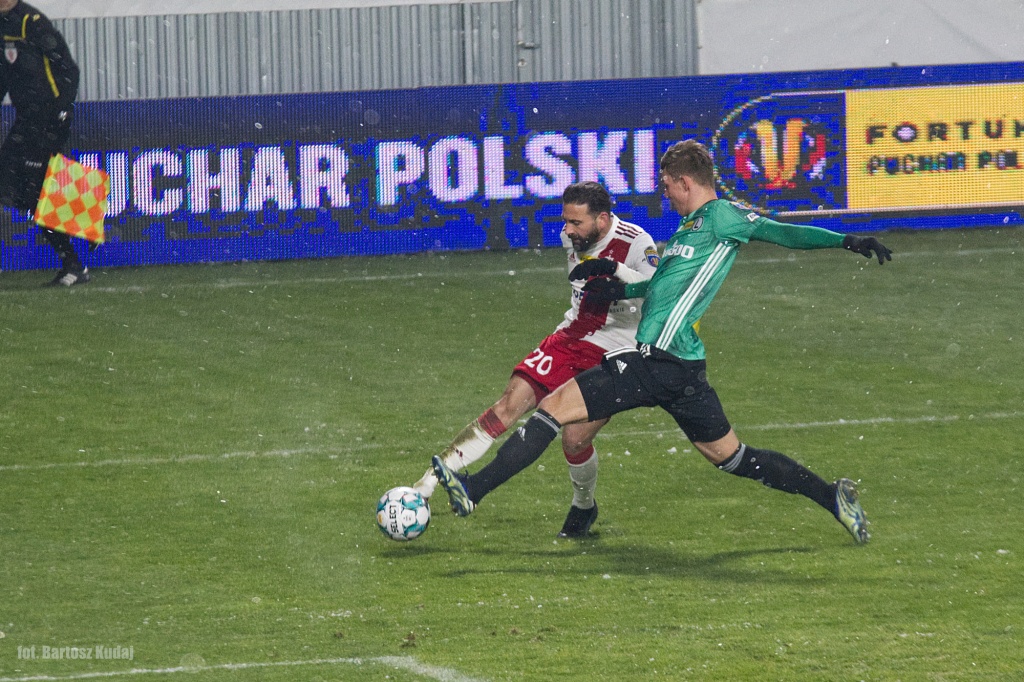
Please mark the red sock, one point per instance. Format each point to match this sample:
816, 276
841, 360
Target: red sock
490, 423
580, 457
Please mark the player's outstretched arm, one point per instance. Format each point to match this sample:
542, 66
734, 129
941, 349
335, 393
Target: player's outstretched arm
867, 247
809, 237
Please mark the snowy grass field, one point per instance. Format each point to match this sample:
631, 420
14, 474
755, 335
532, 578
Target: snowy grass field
190, 459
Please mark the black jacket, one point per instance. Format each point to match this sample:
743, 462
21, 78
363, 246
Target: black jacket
36, 68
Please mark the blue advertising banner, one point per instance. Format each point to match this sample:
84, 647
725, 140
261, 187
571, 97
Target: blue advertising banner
477, 167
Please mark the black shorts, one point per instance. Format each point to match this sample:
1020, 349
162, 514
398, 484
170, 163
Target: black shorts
649, 377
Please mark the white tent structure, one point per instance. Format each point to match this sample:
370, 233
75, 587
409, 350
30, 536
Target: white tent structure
744, 36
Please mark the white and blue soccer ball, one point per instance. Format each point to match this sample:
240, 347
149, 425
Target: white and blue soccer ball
403, 514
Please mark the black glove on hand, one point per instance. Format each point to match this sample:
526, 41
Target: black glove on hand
867, 247
603, 289
594, 267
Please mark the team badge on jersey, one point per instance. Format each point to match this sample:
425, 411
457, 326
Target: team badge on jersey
11, 52
651, 254
694, 225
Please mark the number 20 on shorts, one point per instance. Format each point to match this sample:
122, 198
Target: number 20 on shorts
540, 362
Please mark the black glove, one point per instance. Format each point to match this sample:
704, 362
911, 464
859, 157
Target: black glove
594, 267
867, 247
604, 289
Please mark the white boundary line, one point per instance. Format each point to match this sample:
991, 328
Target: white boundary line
333, 452
396, 662
259, 284
184, 459
931, 419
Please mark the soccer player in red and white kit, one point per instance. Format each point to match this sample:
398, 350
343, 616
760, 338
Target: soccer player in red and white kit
589, 330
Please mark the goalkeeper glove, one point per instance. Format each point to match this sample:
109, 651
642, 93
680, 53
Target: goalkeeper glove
594, 267
604, 289
867, 247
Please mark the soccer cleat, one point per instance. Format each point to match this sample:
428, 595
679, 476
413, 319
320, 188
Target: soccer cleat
578, 522
67, 277
455, 486
849, 512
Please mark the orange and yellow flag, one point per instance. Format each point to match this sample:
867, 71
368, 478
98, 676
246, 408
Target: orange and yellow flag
74, 199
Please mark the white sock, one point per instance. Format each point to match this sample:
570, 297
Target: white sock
584, 482
425, 486
470, 445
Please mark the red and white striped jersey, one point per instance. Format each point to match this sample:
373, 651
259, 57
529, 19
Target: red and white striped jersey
611, 325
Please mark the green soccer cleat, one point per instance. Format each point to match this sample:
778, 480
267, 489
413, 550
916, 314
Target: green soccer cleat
455, 486
849, 512
578, 522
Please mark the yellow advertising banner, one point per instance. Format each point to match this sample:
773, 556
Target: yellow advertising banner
932, 147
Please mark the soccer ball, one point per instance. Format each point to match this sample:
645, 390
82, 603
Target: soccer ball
403, 514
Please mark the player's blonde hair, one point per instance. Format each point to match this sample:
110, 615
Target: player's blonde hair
689, 158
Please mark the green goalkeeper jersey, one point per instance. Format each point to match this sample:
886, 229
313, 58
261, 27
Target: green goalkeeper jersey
695, 263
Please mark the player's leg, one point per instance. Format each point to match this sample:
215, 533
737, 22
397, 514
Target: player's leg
771, 469
776, 470
519, 451
703, 419
548, 366
616, 385
581, 456
554, 362
477, 437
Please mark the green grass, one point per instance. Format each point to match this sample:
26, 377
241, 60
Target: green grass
190, 457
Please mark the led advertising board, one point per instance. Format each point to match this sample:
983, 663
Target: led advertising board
483, 167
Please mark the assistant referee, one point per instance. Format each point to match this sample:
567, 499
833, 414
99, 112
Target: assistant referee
41, 78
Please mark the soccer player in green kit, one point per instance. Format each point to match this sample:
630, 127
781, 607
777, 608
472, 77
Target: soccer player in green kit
667, 367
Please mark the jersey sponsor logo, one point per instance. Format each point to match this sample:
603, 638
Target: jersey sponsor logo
10, 52
695, 224
651, 254
621, 366
684, 250
752, 216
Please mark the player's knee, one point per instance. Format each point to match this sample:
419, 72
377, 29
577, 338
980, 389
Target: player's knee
510, 408
503, 411
576, 451
566, 404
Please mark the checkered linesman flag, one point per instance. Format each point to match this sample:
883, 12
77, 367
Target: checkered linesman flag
74, 199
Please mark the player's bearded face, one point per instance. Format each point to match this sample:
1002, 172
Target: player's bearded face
582, 228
